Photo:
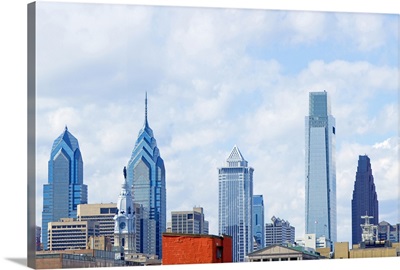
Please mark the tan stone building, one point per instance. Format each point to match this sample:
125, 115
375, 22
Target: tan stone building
283, 253
103, 213
71, 234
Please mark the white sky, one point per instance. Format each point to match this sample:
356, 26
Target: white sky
216, 78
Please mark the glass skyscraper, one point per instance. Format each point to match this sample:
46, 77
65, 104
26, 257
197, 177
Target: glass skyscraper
365, 199
320, 171
258, 221
65, 188
146, 176
235, 204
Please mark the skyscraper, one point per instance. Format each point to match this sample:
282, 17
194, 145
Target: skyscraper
365, 199
258, 221
146, 176
65, 188
235, 204
320, 186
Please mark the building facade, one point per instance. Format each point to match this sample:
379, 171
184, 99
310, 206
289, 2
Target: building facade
258, 221
124, 228
65, 189
279, 232
103, 213
71, 234
320, 184
146, 176
189, 222
389, 232
365, 198
235, 203
275, 253
196, 248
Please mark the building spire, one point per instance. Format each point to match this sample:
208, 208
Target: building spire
145, 110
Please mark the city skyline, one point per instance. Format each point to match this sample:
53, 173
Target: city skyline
197, 99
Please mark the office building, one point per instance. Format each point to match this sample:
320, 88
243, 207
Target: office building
258, 221
146, 176
279, 232
235, 203
65, 189
189, 222
365, 199
103, 213
320, 187
389, 232
71, 234
38, 232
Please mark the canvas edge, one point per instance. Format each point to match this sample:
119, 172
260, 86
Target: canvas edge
31, 136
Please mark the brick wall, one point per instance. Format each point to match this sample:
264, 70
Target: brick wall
195, 249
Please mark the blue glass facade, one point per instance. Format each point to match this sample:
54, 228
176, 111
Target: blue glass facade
235, 204
65, 188
365, 199
258, 220
146, 176
320, 184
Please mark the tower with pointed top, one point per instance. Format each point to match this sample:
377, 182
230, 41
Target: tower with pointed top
124, 226
235, 203
65, 188
365, 198
146, 176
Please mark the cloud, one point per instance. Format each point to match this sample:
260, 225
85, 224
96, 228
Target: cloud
207, 91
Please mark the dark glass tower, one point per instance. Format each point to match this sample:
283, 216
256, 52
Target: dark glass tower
146, 176
65, 188
320, 186
365, 199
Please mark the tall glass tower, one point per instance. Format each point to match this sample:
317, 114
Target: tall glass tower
365, 199
146, 176
258, 221
320, 167
235, 204
65, 188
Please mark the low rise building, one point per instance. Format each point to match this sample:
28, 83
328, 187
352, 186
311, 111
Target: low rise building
196, 248
77, 259
274, 253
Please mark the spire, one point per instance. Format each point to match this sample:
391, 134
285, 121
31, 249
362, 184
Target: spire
145, 110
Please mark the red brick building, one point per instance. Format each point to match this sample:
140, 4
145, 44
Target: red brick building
196, 248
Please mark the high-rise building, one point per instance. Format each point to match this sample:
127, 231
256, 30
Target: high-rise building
258, 221
65, 188
124, 229
103, 213
235, 203
279, 232
190, 222
146, 176
320, 186
365, 199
